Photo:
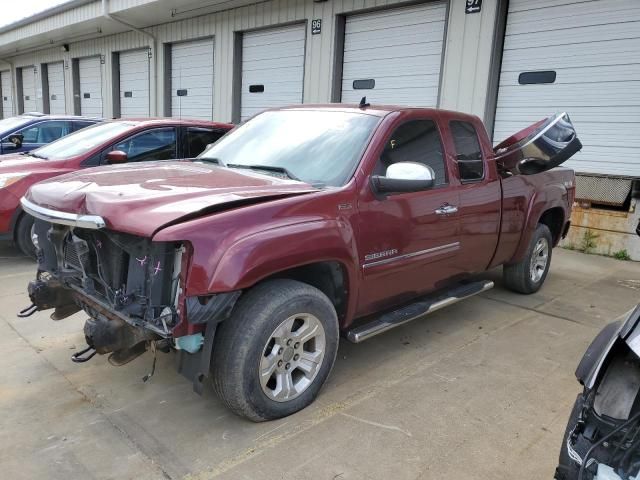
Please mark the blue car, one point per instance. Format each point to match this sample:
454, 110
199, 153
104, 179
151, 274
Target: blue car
32, 130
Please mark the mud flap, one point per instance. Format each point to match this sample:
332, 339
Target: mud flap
196, 366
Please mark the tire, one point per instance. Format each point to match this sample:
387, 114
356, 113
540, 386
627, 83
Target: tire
567, 469
520, 277
261, 336
23, 235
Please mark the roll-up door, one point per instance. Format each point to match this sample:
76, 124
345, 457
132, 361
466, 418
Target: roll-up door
134, 83
7, 94
90, 73
582, 58
272, 68
28, 89
55, 79
192, 79
393, 56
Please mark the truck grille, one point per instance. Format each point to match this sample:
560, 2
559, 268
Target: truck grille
131, 274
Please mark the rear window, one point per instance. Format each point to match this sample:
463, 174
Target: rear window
468, 152
199, 138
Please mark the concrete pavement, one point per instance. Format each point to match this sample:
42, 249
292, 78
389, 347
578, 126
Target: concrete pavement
479, 390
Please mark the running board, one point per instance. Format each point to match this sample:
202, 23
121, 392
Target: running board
417, 309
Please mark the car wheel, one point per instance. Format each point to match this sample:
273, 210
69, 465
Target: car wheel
528, 275
23, 232
274, 353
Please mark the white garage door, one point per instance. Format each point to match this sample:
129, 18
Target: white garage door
28, 89
7, 94
192, 79
592, 49
272, 68
394, 56
55, 79
90, 86
134, 83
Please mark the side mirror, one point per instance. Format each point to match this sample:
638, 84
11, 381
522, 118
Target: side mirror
404, 177
115, 157
16, 139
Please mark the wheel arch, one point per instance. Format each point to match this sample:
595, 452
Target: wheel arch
550, 209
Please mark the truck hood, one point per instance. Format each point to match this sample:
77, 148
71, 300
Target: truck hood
141, 199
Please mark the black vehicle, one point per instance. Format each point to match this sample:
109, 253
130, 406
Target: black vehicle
602, 439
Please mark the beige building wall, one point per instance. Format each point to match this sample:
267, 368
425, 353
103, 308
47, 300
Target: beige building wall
466, 67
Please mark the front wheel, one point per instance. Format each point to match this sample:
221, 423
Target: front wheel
528, 275
273, 355
24, 235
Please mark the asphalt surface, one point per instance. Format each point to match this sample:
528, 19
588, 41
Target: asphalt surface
479, 390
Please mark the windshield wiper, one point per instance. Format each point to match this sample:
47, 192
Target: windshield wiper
31, 154
217, 161
268, 168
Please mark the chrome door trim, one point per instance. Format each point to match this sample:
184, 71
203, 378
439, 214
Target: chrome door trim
447, 246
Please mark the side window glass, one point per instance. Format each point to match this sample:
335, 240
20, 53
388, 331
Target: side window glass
158, 144
198, 139
30, 135
415, 141
45, 132
468, 152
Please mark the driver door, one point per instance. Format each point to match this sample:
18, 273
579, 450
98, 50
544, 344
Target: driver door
408, 242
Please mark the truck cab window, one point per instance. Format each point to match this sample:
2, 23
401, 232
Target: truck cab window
415, 141
468, 153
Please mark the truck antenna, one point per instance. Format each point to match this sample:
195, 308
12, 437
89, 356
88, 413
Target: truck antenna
363, 103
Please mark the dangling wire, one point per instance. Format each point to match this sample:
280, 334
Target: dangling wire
153, 365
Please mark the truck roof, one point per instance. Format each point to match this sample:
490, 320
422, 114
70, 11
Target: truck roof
377, 110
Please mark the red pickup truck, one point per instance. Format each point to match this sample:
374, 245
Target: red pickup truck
302, 224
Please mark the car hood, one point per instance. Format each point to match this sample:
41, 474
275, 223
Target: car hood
141, 199
16, 163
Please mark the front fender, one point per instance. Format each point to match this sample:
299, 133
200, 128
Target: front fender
262, 254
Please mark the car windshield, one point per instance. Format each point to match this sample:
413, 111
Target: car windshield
318, 147
82, 141
8, 125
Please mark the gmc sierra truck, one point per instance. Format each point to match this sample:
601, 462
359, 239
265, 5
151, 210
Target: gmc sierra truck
298, 226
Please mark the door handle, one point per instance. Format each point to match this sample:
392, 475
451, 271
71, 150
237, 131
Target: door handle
446, 210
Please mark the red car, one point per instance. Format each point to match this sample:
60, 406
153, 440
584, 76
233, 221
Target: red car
301, 224
117, 141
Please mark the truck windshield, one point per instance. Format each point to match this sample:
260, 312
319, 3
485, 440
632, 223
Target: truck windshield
82, 141
318, 147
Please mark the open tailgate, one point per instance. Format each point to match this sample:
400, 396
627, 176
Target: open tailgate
539, 147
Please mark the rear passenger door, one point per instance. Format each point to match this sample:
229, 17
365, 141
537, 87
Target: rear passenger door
153, 144
480, 195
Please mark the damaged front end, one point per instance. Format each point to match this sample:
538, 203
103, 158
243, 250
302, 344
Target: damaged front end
602, 439
128, 285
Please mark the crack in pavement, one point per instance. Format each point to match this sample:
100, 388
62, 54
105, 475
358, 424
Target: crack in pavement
96, 406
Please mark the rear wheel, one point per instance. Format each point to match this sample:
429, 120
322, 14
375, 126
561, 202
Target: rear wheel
275, 352
528, 275
23, 233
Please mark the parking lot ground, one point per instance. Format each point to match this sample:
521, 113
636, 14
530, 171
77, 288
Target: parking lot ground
480, 390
